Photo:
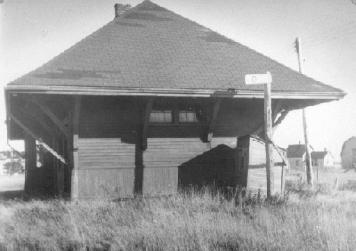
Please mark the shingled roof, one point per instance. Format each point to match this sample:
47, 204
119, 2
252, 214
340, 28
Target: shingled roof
150, 49
295, 151
318, 155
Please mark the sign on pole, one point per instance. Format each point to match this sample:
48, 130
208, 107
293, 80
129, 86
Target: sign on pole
266, 79
257, 79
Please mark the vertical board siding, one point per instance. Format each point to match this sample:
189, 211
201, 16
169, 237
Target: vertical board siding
106, 183
160, 180
106, 168
165, 156
162, 158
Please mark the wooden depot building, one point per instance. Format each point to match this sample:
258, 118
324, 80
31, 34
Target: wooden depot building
148, 103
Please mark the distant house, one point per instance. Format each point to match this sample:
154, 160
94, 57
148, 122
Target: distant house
296, 156
322, 159
348, 154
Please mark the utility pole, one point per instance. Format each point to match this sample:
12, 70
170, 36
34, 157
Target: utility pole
266, 80
309, 167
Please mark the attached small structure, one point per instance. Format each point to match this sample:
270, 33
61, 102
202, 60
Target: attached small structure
149, 102
348, 154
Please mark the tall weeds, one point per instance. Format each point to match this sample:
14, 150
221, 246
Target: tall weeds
188, 221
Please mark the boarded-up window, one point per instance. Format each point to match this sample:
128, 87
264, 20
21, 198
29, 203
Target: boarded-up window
161, 116
187, 117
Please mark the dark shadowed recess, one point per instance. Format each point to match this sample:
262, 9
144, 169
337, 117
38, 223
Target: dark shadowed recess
212, 168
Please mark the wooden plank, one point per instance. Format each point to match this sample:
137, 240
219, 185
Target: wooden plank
212, 122
30, 163
268, 138
145, 123
74, 194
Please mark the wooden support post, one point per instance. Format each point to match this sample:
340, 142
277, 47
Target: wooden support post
309, 167
212, 122
268, 139
266, 79
145, 123
60, 171
30, 163
74, 192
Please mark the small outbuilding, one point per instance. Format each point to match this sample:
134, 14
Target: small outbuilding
296, 156
322, 159
148, 103
348, 154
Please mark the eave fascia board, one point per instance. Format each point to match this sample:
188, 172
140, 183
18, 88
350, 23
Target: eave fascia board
105, 91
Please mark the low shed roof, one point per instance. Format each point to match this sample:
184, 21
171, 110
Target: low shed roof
318, 155
150, 49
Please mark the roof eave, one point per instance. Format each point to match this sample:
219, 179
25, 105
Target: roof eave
110, 91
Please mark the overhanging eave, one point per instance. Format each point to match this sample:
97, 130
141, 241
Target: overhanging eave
108, 91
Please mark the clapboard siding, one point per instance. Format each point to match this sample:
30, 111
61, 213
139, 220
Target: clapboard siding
172, 151
105, 153
229, 141
106, 168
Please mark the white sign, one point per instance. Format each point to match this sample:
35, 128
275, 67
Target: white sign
257, 79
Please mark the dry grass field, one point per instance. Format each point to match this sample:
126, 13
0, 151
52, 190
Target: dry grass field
320, 219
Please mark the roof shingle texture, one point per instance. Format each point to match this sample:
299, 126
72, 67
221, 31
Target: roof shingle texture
295, 151
318, 155
152, 47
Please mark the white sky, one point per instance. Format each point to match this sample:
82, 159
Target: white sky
33, 32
